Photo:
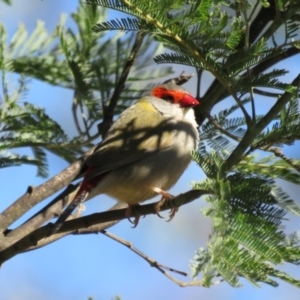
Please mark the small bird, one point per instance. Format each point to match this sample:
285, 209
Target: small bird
144, 153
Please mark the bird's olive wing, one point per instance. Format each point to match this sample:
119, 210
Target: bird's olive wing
139, 132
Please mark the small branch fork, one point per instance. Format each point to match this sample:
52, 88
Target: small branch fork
37, 238
108, 112
275, 150
278, 152
153, 263
35, 195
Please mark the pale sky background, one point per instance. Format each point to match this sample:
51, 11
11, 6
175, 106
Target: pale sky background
77, 267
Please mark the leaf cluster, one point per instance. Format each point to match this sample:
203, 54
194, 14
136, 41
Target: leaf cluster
247, 209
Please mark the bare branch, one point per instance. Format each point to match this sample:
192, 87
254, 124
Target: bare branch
130, 246
34, 240
155, 264
221, 129
87, 221
216, 92
93, 229
278, 152
192, 283
108, 112
74, 108
35, 195
252, 132
54, 208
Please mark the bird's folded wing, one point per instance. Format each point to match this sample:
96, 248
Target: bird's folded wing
131, 138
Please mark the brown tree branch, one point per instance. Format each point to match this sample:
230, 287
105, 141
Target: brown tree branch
54, 208
108, 112
266, 15
39, 237
278, 152
221, 129
35, 195
92, 229
254, 131
216, 92
93, 219
152, 262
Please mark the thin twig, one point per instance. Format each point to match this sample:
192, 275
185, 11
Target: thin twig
192, 283
199, 77
74, 108
152, 262
255, 130
248, 119
253, 10
252, 105
35, 195
54, 208
221, 129
278, 152
83, 116
108, 112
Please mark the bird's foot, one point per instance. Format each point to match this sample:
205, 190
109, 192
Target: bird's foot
165, 197
131, 209
172, 213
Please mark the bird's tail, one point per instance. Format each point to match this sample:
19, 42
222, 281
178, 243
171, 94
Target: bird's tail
80, 197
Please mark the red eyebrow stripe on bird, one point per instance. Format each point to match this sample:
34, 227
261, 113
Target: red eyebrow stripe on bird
185, 100
172, 95
160, 92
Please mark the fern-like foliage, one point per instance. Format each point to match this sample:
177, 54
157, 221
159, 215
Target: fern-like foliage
202, 34
7, 1
181, 26
25, 125
247, 211
77, 61
269, 166
285, 130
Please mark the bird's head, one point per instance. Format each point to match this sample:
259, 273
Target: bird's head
174, 94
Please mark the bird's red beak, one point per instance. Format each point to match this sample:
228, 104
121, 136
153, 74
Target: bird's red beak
188, 101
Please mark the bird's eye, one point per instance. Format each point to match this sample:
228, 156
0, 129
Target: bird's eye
168, 98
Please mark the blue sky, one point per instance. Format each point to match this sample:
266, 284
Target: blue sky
80, 266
